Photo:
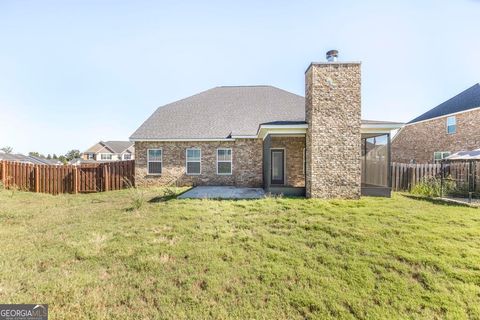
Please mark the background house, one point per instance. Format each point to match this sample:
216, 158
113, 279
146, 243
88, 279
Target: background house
110, 151
452, 126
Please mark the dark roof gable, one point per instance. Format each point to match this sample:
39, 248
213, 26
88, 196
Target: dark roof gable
463, 101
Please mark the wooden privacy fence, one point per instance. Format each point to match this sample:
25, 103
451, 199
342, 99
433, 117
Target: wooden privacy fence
53, 179
405, 175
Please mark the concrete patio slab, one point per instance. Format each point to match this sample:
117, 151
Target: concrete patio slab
223, 192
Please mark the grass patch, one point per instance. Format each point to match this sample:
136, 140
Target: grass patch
88, 255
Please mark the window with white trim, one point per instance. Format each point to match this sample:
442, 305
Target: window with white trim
90, 156
451, 124
194, 161
440, 155
154, 161
105, 156
224, 161
127, 156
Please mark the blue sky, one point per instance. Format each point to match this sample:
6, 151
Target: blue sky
75, 72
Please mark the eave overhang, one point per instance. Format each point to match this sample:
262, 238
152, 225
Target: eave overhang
285, 130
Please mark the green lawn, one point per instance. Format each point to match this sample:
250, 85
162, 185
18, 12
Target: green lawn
92, 256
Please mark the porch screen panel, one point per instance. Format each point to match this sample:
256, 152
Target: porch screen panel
375, 164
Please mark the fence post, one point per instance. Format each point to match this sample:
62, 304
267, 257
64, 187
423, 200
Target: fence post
441, 178
409, 177
414, 177
105, 176
132, 172
471, 180
474, 176
4, 174
37, 179
75, 179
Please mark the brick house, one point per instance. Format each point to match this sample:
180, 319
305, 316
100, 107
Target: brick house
262, 136
452, 126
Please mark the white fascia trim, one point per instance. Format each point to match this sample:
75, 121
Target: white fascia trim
397, 133
180, 140
380, 128
245, 137
282, 126
444, 116
297, 129
375, 132
294, 129
284, 131
265, 129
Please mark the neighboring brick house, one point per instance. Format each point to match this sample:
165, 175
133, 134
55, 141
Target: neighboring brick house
262, 136
110, 151
450, 127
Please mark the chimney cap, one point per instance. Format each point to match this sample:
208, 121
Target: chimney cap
332, 55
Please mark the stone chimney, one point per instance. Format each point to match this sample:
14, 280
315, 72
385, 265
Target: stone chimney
333, 141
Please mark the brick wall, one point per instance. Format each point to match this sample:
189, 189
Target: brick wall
246, 165
332, 102
293, 146
419, 141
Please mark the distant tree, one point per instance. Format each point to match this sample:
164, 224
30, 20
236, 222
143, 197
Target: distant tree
7, 149
63, 159
49, 156
72, 154
34, 154
54, 156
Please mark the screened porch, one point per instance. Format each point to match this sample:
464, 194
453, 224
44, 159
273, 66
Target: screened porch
376, 177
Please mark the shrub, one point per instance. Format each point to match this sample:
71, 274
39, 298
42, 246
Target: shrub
137, 196
432, 187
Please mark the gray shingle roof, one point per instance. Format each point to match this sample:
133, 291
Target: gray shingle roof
40, 160
118, 146
14, 157
113, 146
28, 159
463, 101
222, 112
